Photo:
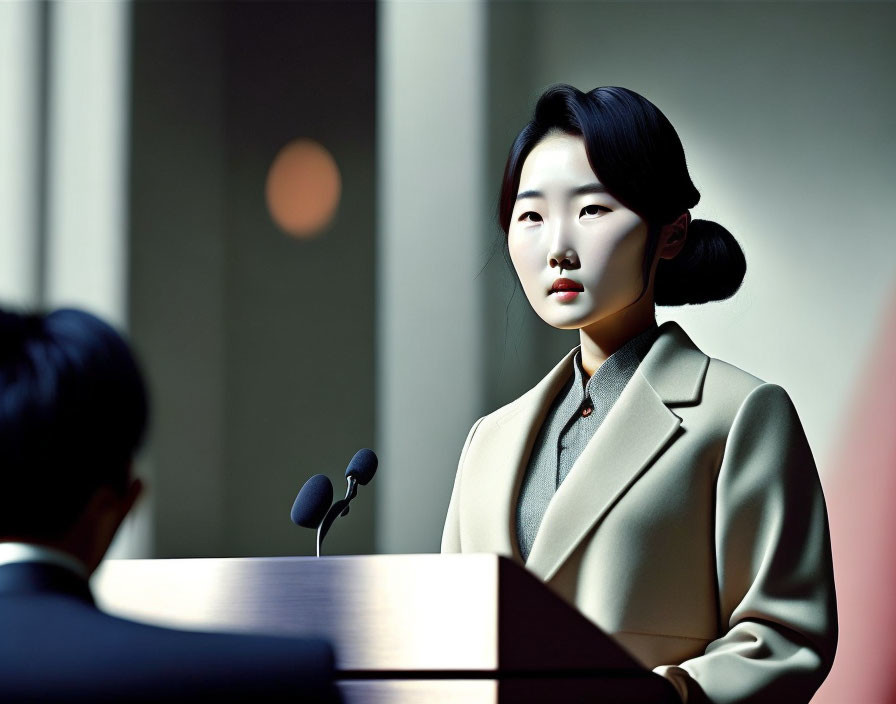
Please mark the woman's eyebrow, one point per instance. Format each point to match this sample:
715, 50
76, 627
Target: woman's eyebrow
580, 191
588, 188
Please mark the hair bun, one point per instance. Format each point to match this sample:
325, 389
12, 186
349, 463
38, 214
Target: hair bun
710, 267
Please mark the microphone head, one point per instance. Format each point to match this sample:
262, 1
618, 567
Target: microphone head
363, 466
313, 502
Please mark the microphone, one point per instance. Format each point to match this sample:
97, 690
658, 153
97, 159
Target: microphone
313, 501
312, 507
362, 466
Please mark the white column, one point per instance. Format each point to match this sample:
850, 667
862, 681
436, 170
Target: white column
20, 118
87, 184
430, 248
87, 165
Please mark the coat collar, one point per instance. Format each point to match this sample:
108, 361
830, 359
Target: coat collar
31, 578
638, 428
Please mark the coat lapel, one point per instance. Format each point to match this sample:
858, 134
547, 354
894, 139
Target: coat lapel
504, 460
638, 428
634, 432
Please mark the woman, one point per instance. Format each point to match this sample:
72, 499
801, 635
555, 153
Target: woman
671, 497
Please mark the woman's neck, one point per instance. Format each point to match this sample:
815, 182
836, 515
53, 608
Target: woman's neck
603, 338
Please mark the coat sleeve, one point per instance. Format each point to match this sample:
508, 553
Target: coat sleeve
451, 531
774, 574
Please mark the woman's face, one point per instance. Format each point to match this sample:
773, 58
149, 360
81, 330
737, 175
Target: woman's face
577, 250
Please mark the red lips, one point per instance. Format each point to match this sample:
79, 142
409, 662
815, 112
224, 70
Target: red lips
566, 285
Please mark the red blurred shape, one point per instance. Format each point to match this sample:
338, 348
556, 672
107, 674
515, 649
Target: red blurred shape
861, 497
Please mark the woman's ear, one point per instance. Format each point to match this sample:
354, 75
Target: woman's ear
673, 236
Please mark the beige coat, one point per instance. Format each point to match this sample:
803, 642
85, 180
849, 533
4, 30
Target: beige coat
692, 528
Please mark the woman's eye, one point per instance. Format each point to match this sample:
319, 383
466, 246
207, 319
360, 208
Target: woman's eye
593, 211
530, 216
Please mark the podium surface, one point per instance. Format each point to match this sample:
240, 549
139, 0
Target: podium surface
472, 628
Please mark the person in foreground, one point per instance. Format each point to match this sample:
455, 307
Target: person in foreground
72, 414
671, 497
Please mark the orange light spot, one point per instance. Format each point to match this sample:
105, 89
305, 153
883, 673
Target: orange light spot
303, 188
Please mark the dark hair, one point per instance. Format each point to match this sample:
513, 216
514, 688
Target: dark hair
636, 153
73, 411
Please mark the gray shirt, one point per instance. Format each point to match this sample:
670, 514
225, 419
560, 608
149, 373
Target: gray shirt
575, 415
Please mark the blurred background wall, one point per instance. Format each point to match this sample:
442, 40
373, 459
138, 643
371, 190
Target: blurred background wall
260, 345
137, 142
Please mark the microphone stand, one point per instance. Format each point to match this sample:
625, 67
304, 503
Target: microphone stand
340, 508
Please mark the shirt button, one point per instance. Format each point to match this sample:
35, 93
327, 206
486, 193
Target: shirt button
586, 411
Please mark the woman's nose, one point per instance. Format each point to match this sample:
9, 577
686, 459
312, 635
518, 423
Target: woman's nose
560, 253
563, 260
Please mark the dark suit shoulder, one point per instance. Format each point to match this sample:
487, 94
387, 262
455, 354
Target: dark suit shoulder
57, 647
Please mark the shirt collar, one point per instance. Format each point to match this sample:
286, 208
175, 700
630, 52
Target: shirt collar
11, 552
621, 364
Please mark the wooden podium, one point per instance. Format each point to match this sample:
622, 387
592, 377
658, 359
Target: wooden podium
406, 628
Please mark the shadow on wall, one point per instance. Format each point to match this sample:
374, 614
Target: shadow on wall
863, 533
